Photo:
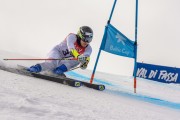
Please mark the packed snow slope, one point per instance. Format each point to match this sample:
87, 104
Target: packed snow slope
28, 98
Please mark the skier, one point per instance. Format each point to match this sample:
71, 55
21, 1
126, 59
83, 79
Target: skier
74, 46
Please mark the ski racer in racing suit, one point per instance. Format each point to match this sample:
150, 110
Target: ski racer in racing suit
74, 46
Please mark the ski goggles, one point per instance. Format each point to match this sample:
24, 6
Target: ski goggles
86, 37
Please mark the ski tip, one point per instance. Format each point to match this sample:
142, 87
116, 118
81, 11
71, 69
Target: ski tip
101, 87
77, 84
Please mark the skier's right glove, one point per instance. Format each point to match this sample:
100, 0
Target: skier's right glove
83, 59
84, 66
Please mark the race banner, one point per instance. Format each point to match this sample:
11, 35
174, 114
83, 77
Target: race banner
116, 43
158, 73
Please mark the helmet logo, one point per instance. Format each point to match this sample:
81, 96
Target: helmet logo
88, 34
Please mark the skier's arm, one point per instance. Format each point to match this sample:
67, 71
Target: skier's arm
74, 52
86, 54
71, 39
85, 57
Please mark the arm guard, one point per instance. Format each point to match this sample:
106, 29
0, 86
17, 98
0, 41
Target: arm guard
75, 53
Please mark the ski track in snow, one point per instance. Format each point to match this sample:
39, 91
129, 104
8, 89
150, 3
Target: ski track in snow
117, 89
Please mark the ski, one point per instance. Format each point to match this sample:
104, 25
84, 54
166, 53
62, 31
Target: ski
62, 80
93, 86
66, 80
69, 81
59, 79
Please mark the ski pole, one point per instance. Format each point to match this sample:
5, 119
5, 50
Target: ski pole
40, 59
73, 68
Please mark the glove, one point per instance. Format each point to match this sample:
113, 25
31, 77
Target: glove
83, 66
60, 70
36, 68
83, 59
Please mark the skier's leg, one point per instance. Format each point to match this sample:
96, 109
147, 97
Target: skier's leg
51, 64
65, 65
48, 64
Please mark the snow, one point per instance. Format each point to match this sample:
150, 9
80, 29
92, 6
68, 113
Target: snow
27, 98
